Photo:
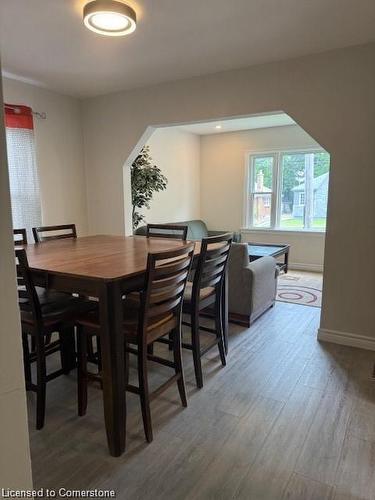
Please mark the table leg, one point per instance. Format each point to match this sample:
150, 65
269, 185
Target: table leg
225, 313
286, 261
113, 366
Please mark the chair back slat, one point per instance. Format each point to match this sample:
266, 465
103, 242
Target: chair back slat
47, 233
210, 281
212, 263
217, 250
19, 237
166, 294
164, 308
27, 296
166, 278
170, 269
167, 231
206, 277
166, 282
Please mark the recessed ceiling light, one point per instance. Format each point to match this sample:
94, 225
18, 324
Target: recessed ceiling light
218, 126
109, 17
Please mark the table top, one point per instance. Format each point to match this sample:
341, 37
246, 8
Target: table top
100, 257
260, 250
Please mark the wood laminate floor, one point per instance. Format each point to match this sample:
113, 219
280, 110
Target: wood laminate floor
288, 418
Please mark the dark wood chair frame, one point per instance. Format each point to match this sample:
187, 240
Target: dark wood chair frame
165, 282
175, 231
23, 239
94, 354
38, 330
209, 272
38, 232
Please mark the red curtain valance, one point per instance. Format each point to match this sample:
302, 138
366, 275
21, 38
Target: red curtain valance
18, 116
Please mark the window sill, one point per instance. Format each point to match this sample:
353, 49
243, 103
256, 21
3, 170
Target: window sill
246, 230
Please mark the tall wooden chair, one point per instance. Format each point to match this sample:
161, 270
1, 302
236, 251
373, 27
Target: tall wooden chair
20, 237
42, 314
167, 231
206, 292
157, 314
42, 233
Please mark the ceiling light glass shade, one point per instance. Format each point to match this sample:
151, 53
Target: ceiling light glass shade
109, 17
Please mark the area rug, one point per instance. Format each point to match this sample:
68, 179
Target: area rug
300, 287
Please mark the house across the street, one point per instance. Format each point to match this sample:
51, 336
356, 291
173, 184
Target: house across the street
320, 196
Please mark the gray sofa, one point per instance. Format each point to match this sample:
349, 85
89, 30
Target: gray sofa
251, 286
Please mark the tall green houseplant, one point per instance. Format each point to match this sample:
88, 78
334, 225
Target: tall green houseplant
146, 180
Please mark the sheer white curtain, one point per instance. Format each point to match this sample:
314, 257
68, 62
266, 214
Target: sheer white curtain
23, 174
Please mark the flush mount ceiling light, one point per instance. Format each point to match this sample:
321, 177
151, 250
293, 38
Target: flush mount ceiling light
109, 17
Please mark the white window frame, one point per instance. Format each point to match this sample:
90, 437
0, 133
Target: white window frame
250, 192
276, 190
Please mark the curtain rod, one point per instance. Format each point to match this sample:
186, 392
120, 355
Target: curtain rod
40, 115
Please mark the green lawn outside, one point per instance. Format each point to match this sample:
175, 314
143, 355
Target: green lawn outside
317, 223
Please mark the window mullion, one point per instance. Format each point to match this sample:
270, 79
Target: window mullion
309, 173
276, 195
250, 195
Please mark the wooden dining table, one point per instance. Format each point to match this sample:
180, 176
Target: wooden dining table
105, 267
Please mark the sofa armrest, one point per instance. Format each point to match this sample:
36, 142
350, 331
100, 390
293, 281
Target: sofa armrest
262, 274
264, 267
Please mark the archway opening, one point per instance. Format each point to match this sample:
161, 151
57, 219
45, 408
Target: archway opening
262, 177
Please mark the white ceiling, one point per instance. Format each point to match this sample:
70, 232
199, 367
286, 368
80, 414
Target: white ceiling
235, 124
45, 40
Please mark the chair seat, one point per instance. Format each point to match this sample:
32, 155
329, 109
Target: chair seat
204, 292
161, 323
56, 307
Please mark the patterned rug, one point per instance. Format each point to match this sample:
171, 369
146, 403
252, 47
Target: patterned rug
299, 287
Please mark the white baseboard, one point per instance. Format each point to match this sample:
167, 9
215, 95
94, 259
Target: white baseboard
345, 338
298, 266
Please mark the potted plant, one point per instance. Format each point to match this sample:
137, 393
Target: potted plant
146, 180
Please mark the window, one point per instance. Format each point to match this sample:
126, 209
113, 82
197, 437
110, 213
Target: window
23, 176
261, 189
288, 190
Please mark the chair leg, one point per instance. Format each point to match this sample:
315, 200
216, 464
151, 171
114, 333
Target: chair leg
26, 360
41, 383
171, 337
67, 350
127, 367
82, 371
144, 393
99, 354
178, 365
150, 349
90, 349
196, 347
219, 330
